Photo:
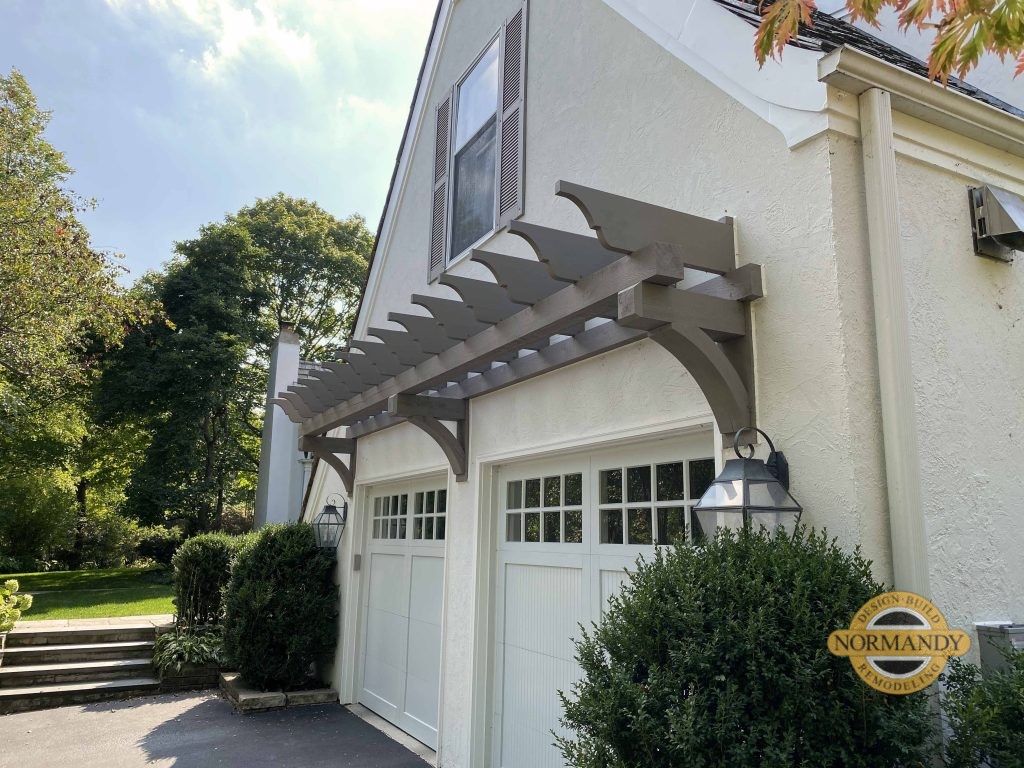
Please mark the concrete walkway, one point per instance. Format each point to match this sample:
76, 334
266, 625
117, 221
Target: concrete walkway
156, 620
195, 730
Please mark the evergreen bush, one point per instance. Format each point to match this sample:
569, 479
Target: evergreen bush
280, 608
985, 714
202, 566
158, 543
716, 655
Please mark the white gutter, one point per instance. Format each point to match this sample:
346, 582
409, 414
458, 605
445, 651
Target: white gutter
856, 72
892, 339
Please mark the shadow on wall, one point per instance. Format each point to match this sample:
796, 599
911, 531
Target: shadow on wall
211, 734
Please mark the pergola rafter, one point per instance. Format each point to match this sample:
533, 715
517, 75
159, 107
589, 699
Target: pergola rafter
583, 296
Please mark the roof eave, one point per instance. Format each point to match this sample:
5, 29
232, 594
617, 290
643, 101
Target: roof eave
855, 72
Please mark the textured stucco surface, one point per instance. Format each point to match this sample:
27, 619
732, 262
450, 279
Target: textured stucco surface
609, 108
967, 348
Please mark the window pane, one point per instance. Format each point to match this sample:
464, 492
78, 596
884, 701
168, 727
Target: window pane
478, 96
439, 528
552, 491
394, 528
405, 503
394, 505
401, 527
698, 531
428, 527
442, 502
573, 526
551, 527
473, 190
671, 525
611, 526
670, 481
573, 490
376, 507
702, 474
532, 526
417, 527
417, 504
611, 486
376, 529
638, 484
429, 503
532, 493
515, 495
514, 527
640, 526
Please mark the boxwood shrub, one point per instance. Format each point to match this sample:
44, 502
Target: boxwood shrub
716, 655
985, 714
202, 566
281, 608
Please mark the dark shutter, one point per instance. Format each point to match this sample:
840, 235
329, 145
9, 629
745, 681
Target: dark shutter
511, 138
439, 213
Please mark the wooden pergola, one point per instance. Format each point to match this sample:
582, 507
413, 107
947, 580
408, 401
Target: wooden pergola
582, 297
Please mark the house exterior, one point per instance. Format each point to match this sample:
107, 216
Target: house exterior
610, 242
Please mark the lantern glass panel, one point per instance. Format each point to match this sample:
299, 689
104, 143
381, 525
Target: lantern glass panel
724, 494
770, 494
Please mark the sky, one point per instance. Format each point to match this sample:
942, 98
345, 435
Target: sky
174, 113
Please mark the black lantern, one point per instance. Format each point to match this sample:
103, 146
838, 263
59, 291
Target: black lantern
330, 523
749, 493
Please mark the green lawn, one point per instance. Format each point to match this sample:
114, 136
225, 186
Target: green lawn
95, 594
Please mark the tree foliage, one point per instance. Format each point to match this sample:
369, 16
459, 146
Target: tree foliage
964, 31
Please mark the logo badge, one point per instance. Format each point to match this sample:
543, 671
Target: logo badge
898, 643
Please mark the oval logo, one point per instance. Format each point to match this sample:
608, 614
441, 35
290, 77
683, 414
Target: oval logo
898, 643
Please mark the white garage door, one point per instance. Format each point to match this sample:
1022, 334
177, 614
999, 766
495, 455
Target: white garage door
402, 607
569, 529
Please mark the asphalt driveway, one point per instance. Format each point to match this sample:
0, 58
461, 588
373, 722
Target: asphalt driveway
195, 730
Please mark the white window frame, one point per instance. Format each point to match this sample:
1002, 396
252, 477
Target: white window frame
455, 258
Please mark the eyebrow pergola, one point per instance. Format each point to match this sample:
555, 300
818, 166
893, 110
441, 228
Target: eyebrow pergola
582, 297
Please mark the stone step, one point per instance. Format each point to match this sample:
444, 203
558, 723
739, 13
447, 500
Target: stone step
24, 634
58, 654
28, 675
25, 698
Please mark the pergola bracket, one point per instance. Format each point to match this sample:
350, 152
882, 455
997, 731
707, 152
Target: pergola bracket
327, 449
427, 413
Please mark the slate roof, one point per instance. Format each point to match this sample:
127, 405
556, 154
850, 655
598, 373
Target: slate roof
829, 33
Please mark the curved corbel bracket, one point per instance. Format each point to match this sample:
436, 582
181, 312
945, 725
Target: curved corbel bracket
427, 414
324, 448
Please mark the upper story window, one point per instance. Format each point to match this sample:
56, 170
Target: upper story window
474, 158
478, 148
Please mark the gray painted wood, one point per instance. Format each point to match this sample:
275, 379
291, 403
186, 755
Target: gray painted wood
524, 280
363, 367
330, 444
488, 302
402, 344
456, 318
567, 256
443, 408
427, 332
627, 225
647, 306
383, 359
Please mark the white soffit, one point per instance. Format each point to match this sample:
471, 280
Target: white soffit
720, 47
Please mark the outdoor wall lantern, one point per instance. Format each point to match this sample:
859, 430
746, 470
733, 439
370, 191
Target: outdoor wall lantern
330, 523
748, 492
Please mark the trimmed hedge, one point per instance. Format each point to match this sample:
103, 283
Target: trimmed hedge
281, 608
985, 714
716, 655
202, 567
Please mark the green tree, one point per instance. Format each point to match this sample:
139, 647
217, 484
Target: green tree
198, 381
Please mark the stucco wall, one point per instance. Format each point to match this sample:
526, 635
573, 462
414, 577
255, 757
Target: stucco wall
967, 350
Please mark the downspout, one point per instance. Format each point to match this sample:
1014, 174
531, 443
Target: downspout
892, 339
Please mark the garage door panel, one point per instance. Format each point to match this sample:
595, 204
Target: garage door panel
543, 608
383, 680
611, 584
386, 636
531, 707
387, 570
427, 593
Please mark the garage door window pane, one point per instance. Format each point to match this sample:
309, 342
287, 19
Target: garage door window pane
442, 502
671, 525
439, 527
514, 527
417, 528
640, 527
611, 526
552, 526
532, 526
574, 526
611, 486
702, 474
670, 481
514, 499
573, 490
532, 493
552, 491
638, 484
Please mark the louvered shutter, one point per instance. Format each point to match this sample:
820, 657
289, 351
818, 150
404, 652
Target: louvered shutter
439, 213
511, 138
